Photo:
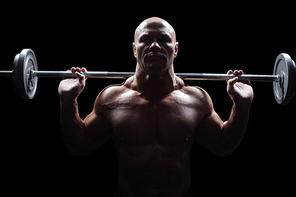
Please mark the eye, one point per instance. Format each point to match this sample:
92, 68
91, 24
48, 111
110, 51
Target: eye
145, 39
165, 39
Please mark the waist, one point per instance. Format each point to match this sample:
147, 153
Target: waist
155, 179
187, 194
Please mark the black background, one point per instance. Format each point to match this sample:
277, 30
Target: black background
212, 38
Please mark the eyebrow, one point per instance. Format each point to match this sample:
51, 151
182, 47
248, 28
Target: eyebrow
162, 35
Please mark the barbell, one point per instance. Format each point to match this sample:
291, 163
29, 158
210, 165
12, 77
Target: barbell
25, 76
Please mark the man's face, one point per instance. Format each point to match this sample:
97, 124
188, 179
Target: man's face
155, 46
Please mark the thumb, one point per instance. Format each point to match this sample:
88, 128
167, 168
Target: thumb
81, 77
232, 81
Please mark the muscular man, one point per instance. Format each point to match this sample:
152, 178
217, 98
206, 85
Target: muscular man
153, 118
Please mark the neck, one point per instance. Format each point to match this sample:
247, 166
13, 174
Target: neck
154, 86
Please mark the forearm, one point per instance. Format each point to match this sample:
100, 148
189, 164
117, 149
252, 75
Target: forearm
234, 129
73, 127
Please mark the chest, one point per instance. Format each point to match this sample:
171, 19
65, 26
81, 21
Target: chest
170, 121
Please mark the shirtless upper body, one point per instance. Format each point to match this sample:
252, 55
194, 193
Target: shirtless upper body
153, 118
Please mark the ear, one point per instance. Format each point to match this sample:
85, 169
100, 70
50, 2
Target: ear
135, 49
176, 49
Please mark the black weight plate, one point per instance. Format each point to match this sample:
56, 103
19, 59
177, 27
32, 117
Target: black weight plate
284, 88
24, 83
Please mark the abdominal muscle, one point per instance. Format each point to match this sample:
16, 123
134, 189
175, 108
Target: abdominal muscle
154, 169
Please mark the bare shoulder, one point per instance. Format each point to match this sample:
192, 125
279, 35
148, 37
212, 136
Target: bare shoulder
200, 96
194, 91
111, 93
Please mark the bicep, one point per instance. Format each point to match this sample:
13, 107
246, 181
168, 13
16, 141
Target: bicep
209, 129
98, 130
209, 132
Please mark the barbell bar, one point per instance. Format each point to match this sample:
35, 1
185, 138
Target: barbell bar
185, 76
124, 75
25, 76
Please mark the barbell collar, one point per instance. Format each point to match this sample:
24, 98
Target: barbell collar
185, 76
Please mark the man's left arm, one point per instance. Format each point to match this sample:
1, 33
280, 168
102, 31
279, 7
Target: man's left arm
222, 138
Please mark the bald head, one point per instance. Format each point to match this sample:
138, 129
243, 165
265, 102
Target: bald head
155, 23
155, 45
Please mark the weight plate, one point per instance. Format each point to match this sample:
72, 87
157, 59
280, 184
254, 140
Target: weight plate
284, 88
24, 82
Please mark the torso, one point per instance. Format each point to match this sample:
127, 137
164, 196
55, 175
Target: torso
153, 139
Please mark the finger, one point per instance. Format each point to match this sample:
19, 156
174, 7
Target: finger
83, 69
80, 69
241, 72
229, 73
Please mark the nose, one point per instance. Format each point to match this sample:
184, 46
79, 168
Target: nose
155, 46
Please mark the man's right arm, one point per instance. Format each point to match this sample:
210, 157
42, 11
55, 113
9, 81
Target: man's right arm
81, 136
